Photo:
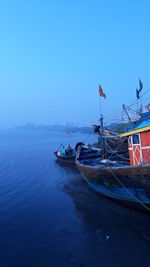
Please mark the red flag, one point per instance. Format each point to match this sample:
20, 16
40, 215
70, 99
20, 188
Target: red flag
101, 93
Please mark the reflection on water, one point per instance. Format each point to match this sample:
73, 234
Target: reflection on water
121, 234
68, 167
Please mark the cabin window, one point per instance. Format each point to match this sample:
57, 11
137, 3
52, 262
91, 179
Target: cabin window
135, 139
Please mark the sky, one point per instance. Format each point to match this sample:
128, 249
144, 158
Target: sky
55, 53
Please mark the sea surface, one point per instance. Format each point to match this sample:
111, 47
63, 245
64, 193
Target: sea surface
50, 217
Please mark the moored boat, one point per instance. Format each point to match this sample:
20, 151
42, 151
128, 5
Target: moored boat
127, 184
125, 178
68, 154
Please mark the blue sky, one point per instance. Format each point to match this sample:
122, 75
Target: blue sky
53, 55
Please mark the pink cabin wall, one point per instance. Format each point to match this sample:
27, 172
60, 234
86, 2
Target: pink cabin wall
139, 153
145, 144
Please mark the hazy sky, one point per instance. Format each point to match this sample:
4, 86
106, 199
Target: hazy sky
54, 53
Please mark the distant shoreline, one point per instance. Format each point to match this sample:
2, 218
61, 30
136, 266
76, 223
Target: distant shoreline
118, 127
59, 128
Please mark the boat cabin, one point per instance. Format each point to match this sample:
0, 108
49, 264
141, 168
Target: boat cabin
139, 140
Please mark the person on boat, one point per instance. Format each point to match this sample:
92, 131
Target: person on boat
69, 150
63, 151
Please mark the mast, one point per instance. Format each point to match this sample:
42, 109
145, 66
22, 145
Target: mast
102, 94
102, 134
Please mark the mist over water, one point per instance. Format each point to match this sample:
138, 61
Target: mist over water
50, 217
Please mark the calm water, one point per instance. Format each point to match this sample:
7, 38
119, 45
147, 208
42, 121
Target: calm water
50, 217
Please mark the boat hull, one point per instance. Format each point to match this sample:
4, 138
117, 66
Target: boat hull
65, 159
85, 154
128, 185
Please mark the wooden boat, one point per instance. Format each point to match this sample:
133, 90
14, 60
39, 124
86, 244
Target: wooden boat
63, 158
126, 180
68, 155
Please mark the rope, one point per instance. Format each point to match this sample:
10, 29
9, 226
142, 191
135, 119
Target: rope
128, 191
131, 109
118, 112
114, 152
87, 137
112, 114
60, 147
141, 96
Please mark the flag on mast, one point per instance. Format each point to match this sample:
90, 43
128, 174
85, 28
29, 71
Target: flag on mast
140, 89
101, 93
140, 85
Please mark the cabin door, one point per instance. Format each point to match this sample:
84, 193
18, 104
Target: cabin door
136, 149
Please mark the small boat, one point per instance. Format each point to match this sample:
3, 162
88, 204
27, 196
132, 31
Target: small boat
123, 177
65, 154
68, 154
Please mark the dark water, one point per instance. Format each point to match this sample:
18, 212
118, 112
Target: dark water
50, 217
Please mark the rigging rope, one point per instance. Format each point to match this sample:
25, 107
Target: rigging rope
60, 147
108, 117
128, 190
141, 96
87, 136
114, 152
